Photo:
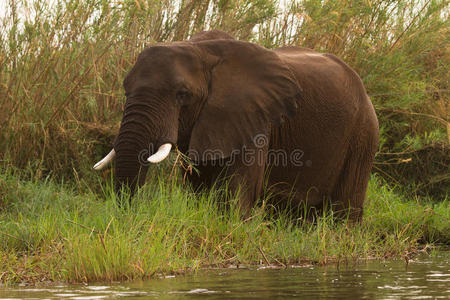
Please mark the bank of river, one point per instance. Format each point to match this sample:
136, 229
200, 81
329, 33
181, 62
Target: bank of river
50, 232
423, 277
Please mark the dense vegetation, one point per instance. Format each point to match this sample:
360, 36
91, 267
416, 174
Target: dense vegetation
62, 66
61, 69
54, 232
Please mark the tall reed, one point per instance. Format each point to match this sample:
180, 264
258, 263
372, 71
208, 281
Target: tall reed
62, 64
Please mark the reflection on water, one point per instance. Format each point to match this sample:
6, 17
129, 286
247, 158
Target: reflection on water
427, 277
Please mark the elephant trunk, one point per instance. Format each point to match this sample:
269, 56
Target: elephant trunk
141, 133
132, 150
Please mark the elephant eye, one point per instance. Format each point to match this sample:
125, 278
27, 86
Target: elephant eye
183, 95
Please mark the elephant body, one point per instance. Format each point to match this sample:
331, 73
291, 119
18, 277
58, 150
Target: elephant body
299, 119
336, 130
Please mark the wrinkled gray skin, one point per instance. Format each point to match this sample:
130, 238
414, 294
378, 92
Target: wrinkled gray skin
213, 94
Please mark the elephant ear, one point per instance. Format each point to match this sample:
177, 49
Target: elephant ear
250, 89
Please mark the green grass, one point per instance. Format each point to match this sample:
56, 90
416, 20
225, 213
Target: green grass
61, 232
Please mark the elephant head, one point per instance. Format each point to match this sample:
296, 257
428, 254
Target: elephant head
200, 95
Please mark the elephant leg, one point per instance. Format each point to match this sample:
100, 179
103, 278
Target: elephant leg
247, 183
246, 179
244, 173
350, 191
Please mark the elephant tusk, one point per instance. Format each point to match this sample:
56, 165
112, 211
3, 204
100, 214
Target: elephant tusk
105, 161
161, 154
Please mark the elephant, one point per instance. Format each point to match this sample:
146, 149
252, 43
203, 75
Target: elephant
291, 118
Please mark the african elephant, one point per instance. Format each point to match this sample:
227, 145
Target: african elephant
301, 118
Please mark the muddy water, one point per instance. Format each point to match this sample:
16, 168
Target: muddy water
425, 277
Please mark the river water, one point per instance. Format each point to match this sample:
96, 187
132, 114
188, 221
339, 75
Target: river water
426, 277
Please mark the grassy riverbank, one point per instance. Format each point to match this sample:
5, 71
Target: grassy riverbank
60, 232
62, 64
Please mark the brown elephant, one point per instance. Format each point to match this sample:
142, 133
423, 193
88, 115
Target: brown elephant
240, 111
